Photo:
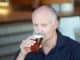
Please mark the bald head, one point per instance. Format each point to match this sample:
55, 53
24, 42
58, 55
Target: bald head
45, 21
45, 11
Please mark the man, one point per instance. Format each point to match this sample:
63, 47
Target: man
54, 46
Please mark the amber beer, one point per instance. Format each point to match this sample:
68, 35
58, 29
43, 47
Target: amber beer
36, 46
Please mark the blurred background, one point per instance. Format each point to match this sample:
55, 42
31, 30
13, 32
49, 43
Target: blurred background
15, 22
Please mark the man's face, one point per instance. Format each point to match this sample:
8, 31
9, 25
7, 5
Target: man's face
42, 23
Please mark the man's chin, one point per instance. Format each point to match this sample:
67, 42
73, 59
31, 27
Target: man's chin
44, 42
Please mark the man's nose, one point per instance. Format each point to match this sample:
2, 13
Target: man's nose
39, 30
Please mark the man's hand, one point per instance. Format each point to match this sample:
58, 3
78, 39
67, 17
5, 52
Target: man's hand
25, 47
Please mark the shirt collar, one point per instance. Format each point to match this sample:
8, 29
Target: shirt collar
60, 40
59, 44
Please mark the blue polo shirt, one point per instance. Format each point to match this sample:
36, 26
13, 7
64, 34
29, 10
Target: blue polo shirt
66, 49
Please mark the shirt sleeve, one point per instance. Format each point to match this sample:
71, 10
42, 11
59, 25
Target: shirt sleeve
16, 55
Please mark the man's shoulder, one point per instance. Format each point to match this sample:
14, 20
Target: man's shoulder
72, 43
74, 48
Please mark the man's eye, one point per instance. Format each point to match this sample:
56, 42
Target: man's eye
35, 24
44, 25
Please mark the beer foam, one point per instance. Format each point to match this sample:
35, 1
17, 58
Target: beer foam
38, 36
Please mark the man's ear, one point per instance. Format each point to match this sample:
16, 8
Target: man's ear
55, 24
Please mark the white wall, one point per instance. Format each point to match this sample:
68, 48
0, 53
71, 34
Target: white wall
68, 25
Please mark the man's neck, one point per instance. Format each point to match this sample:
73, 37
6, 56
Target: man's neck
51, 43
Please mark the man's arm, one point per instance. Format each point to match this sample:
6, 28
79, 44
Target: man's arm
21, 56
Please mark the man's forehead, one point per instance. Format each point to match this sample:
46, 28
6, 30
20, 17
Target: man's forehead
44, 12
